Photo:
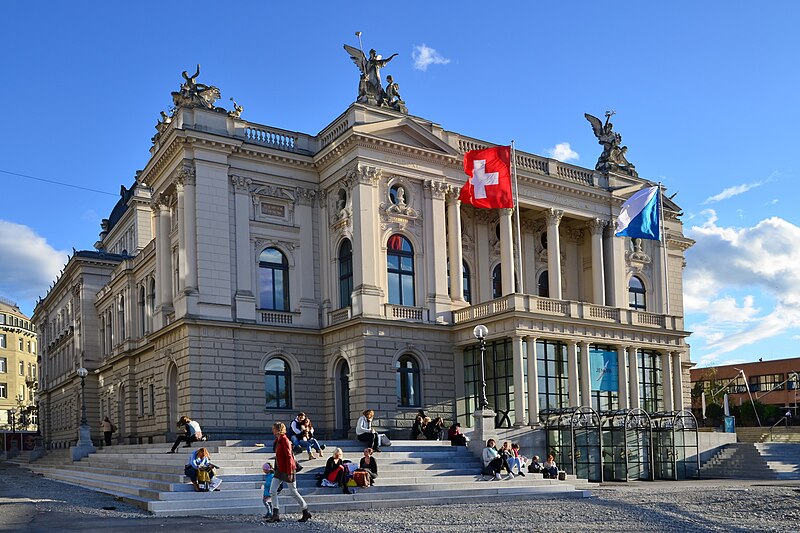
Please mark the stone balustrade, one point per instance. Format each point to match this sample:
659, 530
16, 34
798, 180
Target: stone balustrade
402, 312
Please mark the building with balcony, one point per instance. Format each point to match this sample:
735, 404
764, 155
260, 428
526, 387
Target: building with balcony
251, 272
18, 369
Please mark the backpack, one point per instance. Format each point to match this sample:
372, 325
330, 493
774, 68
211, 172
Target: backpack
362, 478
486, 471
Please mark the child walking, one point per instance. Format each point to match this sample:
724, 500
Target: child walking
269, 474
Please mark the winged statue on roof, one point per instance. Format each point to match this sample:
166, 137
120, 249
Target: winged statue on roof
613, 156
370, 87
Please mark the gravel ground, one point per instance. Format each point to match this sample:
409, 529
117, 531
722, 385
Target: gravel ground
32, 503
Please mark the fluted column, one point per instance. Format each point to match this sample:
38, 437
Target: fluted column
179, 189
533, 383
677, 381
163, 263
519, 382
666, 376
586, 383
437, 301
506, 251
572, 373
614, 250
190, 231
553, 217
455, 251
633, 377
244, 298
596, 227
622, 369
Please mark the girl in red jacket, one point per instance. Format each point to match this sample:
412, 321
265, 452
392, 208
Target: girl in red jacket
285, 469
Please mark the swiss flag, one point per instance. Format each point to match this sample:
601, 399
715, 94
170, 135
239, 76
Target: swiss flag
489, 183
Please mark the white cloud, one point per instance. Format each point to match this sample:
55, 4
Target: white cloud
424, 56
30, 264
729, 192
764, 259
563, 152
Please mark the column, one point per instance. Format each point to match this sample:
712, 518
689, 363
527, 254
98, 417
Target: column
455, 252
586, 383
572, 373
482, 269
622, 369
553, 217
179, 188
596, 227
305, 271
529, 261
163, 264
614, 249
519, 382
659, 278
533, 383
677, 381
438, 302
366, 248
666, 385
633, 376
506, 252
190, 230
244, 298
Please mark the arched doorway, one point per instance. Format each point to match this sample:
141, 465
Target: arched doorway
172, 398
343, 423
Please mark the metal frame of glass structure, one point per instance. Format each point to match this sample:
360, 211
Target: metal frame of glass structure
675, 448
626, 445
573, 436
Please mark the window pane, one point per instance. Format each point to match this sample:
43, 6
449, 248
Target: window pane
408, 290
394, 289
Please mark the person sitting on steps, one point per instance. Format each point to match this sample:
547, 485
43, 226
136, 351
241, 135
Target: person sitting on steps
200, 461
492, 460
335, 473
369, 465
433, 429
192, 433
550, 468
456, 437
365, 432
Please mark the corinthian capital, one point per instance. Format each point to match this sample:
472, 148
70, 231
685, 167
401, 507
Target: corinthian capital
553, 216
240, 184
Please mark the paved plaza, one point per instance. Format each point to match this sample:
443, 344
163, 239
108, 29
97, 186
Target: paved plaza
32, 503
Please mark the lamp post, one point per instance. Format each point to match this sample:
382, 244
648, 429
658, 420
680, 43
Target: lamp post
480, 333
84, 446
12, 413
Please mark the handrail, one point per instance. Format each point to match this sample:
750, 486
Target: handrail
774, 426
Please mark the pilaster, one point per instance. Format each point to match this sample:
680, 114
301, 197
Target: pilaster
553, 217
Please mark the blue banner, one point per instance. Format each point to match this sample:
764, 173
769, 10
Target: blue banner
603, 369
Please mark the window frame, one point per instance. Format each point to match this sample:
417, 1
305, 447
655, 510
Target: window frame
639, 295
397, 276
345, 262
408, 377
286, 373
268, 287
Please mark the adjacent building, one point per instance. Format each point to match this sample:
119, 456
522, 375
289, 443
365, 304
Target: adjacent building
251, 271
18, 369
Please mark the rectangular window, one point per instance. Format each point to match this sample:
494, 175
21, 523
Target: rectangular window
2, 340
2, 318
3, 391
152, 399
3, 365
651, 386
551, 360
498, 367
141, 401
21, 344
604, 376
21, 368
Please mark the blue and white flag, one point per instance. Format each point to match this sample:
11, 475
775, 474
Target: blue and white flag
640, 216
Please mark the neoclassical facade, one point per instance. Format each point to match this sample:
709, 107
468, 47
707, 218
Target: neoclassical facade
251, 272
18, 369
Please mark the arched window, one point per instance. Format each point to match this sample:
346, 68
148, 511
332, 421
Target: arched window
465, 283
400, 259
151, 304
345, 274
544, 285
121, 318
497, 282
142, 312
636, 294
273, 274
408, 389
278, 384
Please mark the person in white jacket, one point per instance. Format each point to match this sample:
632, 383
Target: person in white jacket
365, 432
494, 461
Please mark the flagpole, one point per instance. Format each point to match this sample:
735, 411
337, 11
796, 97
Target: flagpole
520, 286
663, 244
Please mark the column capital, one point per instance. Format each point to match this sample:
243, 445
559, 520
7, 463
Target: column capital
553, 216
506, 211
241, 184
185, 174
364, 174
435, 189
452, 195
597, 226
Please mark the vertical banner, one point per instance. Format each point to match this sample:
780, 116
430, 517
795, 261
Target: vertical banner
604, 369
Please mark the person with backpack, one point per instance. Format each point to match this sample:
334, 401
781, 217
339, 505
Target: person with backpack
369, 466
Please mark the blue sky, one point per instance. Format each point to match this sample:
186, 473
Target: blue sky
705, 95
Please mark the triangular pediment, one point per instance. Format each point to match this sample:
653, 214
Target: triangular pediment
407, 132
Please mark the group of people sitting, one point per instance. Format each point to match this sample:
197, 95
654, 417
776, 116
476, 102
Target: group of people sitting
509, 458
302, 436
433, 429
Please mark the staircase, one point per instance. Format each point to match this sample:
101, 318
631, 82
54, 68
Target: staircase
409, 472
752, 435
746, 460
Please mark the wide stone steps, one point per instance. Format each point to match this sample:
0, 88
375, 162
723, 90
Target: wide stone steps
754, 461
409, 472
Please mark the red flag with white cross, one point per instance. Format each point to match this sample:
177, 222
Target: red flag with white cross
489, 183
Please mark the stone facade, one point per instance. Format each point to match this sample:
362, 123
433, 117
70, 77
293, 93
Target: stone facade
18, 368
191, 314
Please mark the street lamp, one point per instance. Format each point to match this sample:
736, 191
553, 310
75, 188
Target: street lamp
480, 333
82, 373
84, 446
12, 418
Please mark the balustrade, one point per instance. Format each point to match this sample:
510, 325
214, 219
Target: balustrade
281, 140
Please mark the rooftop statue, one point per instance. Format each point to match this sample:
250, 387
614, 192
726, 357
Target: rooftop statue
237, 110
370, 88
193, 94
613, 156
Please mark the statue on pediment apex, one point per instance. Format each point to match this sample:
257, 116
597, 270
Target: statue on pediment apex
613, 156
193, 94
370, 87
